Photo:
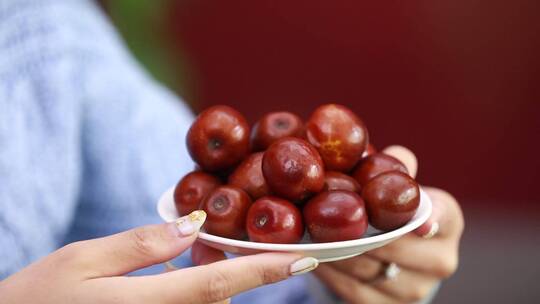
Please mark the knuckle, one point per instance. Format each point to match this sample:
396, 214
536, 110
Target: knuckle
357, 295
70, 252
453, 202
363, 268
269, 275
389, 251
447, 266
454, 209
460, 222
143, 240
393, 250
72, 256
350, 291
417, 293
219, 287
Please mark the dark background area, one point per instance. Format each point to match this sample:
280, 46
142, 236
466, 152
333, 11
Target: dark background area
458, 82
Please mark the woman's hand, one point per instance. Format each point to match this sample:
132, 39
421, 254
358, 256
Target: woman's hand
92, 271
424, 257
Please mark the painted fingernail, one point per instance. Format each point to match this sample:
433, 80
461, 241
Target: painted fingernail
432, 231
191, 223
304, 265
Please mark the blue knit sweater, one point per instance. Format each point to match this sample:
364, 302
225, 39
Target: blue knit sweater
88, 141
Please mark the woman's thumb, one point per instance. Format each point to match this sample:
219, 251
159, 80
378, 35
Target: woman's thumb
140, 247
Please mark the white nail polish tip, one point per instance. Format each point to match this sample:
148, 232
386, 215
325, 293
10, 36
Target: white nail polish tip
304, 265
190, 223
432, 231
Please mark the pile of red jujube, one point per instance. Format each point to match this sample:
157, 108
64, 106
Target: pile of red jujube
270, 183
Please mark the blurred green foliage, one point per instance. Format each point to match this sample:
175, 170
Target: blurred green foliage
143, 25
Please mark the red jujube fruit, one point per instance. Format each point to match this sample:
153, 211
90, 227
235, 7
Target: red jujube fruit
218, 139
226, 209
274, 220
293, 169
392, 199
339, 135
191, 189
334, 216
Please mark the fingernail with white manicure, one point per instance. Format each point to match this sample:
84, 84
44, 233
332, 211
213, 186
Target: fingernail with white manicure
304, 265
191, 223
432, 231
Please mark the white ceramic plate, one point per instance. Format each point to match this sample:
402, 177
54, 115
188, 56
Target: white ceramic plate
324, 252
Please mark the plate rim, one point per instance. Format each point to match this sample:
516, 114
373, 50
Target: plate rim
417, 221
